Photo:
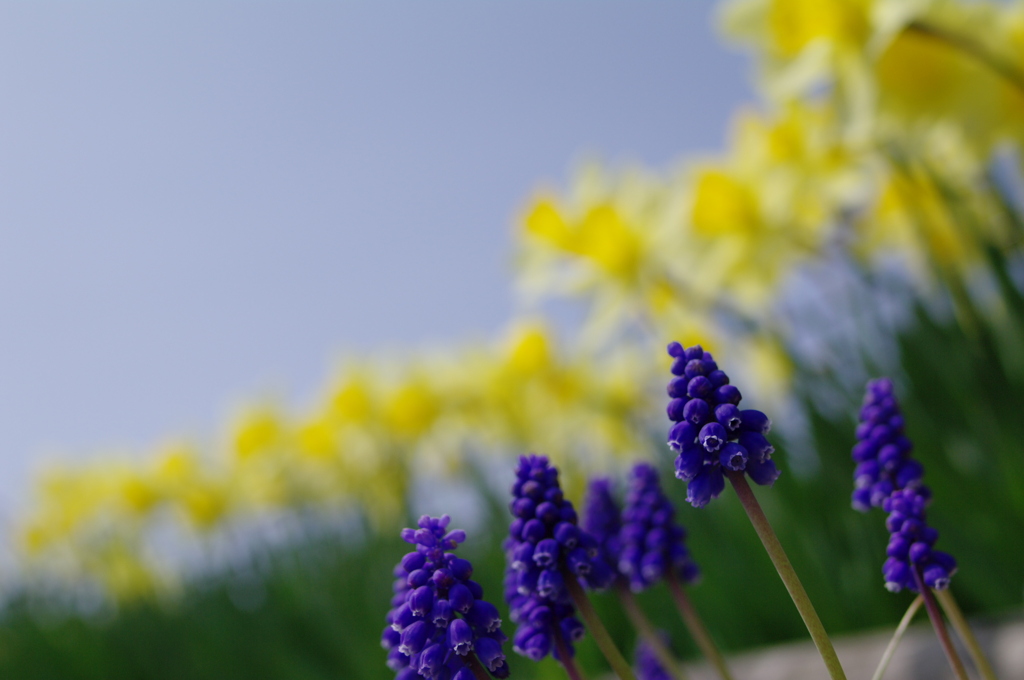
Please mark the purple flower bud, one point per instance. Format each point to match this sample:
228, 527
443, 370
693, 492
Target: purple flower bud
718, 378
696, 411
763, 473
523, 507
729, 416
675, 350
919, 552
708, 484
572, 629
421, 600
694, 368
754, 421
677, 389
413, 561
758, 448
733, 456
548, 512
441, 613
390, 638
727, 394
431, 660
534, 530
683, 435
712, 436
460, 637
546, 553
522, 556
550, 583
567, 535
417, 578
413, 637
460, 598
402, 618
689, 462
699, 387
676, 409
484, 615
490, 654
461, 569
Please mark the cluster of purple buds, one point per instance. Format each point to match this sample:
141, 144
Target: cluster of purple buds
648, 666
652, 542
910, 545
438, 615
545, 547
602, 518
882, 452
711, 434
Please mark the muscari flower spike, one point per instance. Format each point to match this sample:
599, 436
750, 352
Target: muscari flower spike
652, 542
545, 547
602, 518
882, 451
711, 434
910, 545
438, 614
647, 665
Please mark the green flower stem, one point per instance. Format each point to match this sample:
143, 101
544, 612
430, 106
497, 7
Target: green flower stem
940, 627
596, 628
478, 669
956, 617
565, 657
650, 635
887, 655
696, 627
787, 574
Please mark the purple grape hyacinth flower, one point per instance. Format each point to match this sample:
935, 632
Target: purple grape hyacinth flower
910, 545
438, 615
648, 666
602, 519
711, 434
545, 547
882, 451
652, 542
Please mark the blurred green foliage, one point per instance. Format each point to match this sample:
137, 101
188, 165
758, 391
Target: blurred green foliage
315, 609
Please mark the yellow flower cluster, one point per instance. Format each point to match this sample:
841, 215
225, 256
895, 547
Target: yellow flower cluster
378, 425
877, 138
884, 116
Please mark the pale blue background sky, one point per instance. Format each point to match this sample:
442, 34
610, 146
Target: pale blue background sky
205, 201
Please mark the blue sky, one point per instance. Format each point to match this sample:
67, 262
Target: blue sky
202, 202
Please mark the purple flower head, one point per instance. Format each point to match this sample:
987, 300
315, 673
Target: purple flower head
602, 518
882, 452
545, 547
648, 666
652, 542
711, 434
910, 545
438, 615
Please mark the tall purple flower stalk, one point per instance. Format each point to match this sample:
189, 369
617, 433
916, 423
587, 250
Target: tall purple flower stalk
711, 434
910, 545
544, 548
439, 623
652, 543
882, 451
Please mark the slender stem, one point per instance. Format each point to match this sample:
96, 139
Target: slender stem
956, 617
565, 656
787, 574
478, 670
650, 635
696, 626
887, 655
940, 627
597, 629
